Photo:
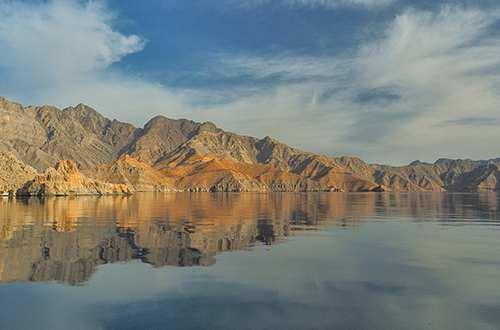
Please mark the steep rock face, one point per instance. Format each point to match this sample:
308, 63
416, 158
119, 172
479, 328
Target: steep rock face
209, 140
82, 135
65, 179
22, 134
40, 136
158, 137
132, 173
111, 132
13, 172
195, 172
409, 179
484, 178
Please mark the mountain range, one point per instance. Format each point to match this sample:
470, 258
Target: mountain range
183, 155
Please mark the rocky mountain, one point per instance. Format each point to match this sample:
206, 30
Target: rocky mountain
337, 174
83, 135
41, 136
181, 154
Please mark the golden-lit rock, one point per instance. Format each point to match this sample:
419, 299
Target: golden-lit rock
194, 172
65, 179
136, 175
13, 172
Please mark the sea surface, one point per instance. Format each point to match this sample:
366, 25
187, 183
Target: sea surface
251, 261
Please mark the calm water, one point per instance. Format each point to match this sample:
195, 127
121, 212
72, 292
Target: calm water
251, 261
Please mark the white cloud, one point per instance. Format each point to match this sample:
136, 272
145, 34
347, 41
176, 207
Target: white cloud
61, 53
59, 38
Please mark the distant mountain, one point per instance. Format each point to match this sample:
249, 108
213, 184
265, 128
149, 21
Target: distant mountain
180, 154
418, 162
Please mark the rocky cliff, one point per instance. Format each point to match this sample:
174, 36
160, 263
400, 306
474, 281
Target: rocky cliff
65, 179
13, 173
196, 172
132, 173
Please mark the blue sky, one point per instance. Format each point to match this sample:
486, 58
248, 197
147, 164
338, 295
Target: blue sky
388, 81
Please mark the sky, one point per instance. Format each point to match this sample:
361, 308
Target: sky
389, 81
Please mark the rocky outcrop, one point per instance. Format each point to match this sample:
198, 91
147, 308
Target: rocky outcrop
321, 172
484, 178
13, 173
442, 176
65, 179
195, 172
132, 173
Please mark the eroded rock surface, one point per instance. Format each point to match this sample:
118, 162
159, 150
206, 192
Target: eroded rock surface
65, 179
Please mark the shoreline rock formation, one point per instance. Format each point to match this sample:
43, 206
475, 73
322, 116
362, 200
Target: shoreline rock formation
65, 179
14, 173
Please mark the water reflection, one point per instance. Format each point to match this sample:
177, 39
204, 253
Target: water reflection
66, 238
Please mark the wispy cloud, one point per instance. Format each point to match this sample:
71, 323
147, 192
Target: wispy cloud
328, 4
385, 100
61, 37
472, 121
337, 3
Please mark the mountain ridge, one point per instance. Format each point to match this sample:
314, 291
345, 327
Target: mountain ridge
181, 154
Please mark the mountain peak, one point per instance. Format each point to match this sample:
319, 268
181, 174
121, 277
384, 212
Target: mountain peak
209, 126
418, 162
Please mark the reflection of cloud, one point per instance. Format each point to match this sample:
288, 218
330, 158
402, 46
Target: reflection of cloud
225, 305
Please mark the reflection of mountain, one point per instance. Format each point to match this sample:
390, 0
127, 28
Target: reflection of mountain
64, 239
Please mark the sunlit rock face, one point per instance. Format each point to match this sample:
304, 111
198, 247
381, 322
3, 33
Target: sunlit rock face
136, 175
13, 172
65, 179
